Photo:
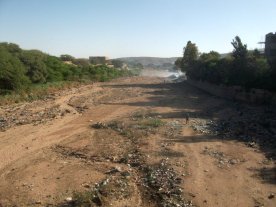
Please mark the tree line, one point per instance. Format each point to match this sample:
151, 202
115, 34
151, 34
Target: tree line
248, 69
21, 69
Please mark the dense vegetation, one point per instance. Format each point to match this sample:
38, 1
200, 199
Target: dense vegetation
248, 69
21, 69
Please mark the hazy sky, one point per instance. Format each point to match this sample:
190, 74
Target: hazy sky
120, 28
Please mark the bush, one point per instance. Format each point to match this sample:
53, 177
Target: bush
12, 71
67, 58
29, 70
243, 68
34, 62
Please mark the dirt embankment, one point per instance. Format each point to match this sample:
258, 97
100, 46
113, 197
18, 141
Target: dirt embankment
128, 143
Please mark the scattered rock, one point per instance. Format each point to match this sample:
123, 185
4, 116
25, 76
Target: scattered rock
25, 115
271, 196
86, 185
256, 127
163, 183
192, 195
125, 174
234, 161
221, 158
99, 125
114, 170
68, 199
252, 144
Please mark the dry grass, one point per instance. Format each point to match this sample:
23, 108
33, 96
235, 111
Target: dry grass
36, 92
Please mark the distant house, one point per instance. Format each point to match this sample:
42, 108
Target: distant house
125, 66
270, 46
99, 60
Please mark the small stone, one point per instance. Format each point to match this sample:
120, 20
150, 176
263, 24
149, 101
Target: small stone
233, 161
105, 182
114, 170
271, 196
86, 185
68, 199
125, 174
193, 195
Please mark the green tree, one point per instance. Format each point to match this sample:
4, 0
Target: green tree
34, 61
56, 69
211, 56
11, 47
12, 71
67, 58
239, 71
190, 56
208, 67
82, 62
117, 63
178, 62
240, 51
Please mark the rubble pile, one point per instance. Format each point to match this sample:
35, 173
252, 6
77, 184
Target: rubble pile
163, 184
99, 125
131, 128
133, 159
116, 187
79, 103
173, 128
67, 152
256, 127
222, 158
24, 115
203, 126
161, 181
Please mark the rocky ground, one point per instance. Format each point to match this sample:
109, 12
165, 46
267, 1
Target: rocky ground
129, 143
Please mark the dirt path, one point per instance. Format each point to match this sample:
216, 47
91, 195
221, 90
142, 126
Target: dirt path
138, 152
220, 181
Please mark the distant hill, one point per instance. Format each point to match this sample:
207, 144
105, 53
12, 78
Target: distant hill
224, 55
150, 62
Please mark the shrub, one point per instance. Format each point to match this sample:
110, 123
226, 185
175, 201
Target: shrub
28, 69
243, 68
12, 71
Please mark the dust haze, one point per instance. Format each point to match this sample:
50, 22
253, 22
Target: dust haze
161, 73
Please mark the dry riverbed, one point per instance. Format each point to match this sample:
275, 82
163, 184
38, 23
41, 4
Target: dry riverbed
127, 143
